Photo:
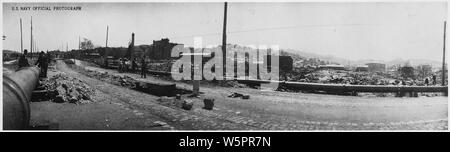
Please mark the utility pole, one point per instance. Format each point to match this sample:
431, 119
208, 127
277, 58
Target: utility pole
224, 40
107, 28
443, 58
79, 43
31, 45
130, 48
106, 45
21, 39
34, 45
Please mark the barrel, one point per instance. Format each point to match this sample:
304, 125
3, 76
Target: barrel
17, 90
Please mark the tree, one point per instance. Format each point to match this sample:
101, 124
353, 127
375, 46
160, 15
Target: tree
86, 44
406, 72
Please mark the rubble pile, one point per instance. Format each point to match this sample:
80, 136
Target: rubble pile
162, 66
354, 78
158, 89
186, 103
234, 84
69, 61
124, 81
68, 89
239, 95
174, 103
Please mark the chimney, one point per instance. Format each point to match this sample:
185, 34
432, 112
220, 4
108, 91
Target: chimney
132, 38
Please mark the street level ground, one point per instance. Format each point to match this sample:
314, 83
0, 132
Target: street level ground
119, 108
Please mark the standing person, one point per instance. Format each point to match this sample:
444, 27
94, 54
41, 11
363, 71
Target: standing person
106, 62
434, 79
133, 66
49, 58
426, 81
42, 63
124, 65
23, 61
120, 64
143, 68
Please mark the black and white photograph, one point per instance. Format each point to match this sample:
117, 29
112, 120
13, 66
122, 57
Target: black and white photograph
224, 66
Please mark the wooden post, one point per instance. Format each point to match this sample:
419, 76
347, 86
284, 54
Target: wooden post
196, 87
105, 55
21, 39
443, 58
31, 45
107, 28
224, 40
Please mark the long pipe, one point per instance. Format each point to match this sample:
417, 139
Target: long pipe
17, 90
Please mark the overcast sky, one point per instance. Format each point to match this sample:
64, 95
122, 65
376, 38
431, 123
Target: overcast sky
380, 31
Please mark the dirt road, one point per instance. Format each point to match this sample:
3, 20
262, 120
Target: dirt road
116, 107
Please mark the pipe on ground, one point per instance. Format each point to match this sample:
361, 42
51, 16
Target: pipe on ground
17, 90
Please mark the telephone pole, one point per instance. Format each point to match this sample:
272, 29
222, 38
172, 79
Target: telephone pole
224, 40
443, 57
21, 39
79, 43
107, 28
31, 45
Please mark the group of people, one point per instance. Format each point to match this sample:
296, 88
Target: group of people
42, 62
432, 78
124, 64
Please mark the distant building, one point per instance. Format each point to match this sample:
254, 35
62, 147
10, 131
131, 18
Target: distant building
376, 67
285, 62
10, 55
161, 49
332, 67
93, 55
363, 68
139, 51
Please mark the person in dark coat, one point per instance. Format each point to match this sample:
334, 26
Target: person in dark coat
42, 63
23, 61
426, 81
434, 79
143, 68
49, 58
124, 65
133, 65
106, 62
120, 65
